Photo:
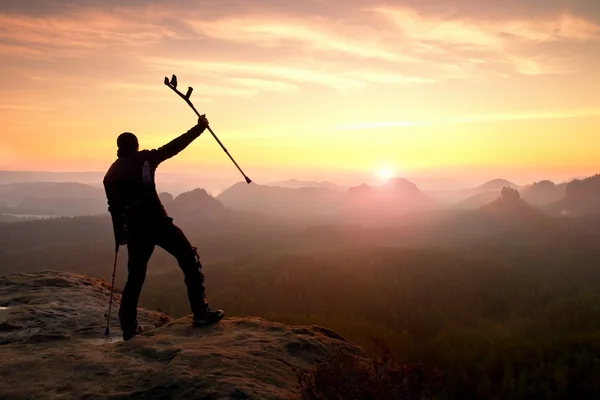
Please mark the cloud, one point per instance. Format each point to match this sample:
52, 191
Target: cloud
153, 93
12, 50
540, 65
264, 84
502, 42
563, 27
281, 48
284, 77
431, 30
313, 34
258, 70
517, 116
25, 107
487, 33
78, 34
130, 34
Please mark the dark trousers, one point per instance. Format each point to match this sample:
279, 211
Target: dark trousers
141, 242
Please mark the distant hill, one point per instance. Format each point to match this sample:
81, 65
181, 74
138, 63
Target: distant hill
575, 178
543, 192
509, 203
538, 193
479, 200
582, 198
394, 188
172, 182
510, 210
76, 199
509, 217
92, 178
282, 201
474, 197
166, 198
495, 184
396, 197
194, 204
296, 184
436, 184
15, 193
52, 198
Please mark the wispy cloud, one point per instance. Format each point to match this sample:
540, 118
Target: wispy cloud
258, 70
264, 84
541, 65
14, 50
385, 44
25, 107
91, 63
517, 116
283, 77
495, 41
487, 33
153, 93
78, 34
314, 35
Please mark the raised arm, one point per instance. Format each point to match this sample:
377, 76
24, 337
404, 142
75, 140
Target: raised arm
178, 144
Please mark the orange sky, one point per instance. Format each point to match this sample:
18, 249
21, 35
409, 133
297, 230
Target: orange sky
468, 88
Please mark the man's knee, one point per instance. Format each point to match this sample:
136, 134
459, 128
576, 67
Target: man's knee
189, 261
136, 275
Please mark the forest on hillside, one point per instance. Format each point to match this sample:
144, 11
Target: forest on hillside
510, 323
503, 300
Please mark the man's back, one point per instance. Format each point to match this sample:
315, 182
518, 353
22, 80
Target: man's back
129, 183
130, 187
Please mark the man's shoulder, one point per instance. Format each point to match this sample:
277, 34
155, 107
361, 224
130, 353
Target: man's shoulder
123, 168
146, 153
149, 156
115, 170
110, 171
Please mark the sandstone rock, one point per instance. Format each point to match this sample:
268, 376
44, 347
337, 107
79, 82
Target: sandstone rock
57, 305
53, 348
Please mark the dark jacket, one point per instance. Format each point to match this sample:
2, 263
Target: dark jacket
130, 187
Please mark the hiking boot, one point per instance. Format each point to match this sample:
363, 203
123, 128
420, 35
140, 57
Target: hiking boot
129, 334
208, 317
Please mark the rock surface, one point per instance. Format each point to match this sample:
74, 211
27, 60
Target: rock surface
52, 327
54, 305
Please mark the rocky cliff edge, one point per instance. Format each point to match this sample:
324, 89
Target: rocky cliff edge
52, 346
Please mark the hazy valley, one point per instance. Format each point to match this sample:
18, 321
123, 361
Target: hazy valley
497, 288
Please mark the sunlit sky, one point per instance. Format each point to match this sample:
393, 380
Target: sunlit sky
334, 90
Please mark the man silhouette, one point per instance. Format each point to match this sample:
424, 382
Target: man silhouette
141, 222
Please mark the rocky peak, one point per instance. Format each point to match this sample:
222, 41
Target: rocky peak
51, 332
510, 195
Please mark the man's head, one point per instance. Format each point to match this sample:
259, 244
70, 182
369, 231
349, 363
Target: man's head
127, 143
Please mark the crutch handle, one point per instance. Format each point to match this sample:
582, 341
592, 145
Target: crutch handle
172, 84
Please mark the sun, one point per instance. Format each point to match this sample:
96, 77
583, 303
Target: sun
384, 173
